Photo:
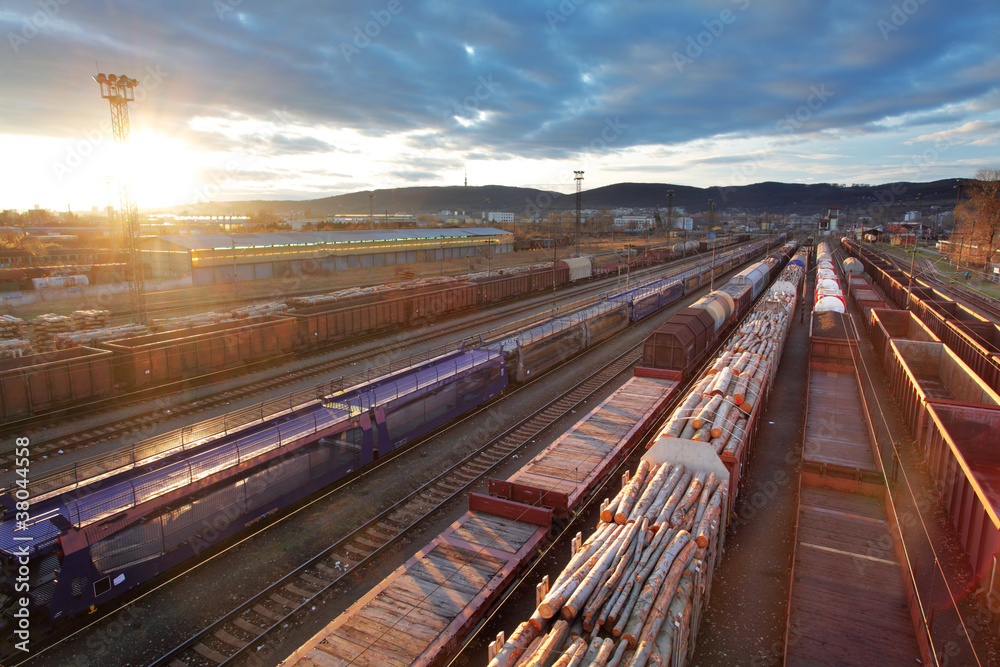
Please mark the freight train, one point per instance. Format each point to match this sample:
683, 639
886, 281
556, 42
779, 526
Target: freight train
973, 338
100, 528
38, 383
679, 347
474, 561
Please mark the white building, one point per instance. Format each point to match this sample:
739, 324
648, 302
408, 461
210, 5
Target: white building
635, 223
684, 223
498, 216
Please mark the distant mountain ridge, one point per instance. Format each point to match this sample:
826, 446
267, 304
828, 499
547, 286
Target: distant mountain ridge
773, 197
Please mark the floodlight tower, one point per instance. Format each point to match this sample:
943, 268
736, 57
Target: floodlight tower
119, 91
579, 183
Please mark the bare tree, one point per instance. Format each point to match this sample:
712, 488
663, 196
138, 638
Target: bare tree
979, 216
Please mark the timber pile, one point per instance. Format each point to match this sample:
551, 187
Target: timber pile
91, 319
45, 327
718, 408
633, 593
13, 348
92, 337
189, 321
11, 328
351, 293
257, 310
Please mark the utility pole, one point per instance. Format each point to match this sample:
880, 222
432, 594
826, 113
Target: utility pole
236, 279
711, 287
119, 91
579, 197
670, 210
371, 208
954, 223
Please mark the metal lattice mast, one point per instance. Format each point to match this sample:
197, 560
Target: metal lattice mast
578, 176
119, 91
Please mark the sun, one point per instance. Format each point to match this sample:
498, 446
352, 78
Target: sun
159, 169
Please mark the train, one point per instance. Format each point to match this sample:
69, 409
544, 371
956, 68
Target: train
474, 566
972, 337
38, 383
679, 347
83, 543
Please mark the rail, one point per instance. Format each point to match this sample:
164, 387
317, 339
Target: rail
509, 442
189, 437
910, 527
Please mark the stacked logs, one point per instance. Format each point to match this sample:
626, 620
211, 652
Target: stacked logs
634, 591
45, 327
258, 310
91, 319
11, 328
92, 337
14, 348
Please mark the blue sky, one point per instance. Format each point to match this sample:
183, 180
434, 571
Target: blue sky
247, 99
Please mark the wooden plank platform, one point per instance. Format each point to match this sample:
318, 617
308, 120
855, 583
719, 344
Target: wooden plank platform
836, 431
847, 603
425, 606
585, 452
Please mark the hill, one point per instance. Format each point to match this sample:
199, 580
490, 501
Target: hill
797, 198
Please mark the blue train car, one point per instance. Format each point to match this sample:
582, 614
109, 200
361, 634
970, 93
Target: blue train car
89, 545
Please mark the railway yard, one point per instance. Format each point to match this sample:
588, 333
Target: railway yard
769, 451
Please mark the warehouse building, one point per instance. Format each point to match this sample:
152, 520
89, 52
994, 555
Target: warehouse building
213, 258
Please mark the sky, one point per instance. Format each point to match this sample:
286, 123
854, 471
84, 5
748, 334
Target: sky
246, 99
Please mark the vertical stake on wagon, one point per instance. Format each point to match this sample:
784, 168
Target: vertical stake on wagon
576, 544
541, 590
496, 645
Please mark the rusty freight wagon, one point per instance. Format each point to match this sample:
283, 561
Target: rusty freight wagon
146, 361
40, 382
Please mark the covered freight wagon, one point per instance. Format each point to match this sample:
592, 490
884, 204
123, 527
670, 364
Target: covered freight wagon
680, 344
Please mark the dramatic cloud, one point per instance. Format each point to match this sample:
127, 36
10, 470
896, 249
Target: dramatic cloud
399, 92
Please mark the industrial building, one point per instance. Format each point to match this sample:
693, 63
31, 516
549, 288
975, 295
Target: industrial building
214, 258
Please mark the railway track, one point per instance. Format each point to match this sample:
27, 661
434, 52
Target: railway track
152, 418
988, 306
257, 621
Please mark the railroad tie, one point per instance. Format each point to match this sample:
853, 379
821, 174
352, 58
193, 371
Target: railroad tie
327, 570
266, 613
210, 653
229, 639
247, 626
368, 543
305, 576
282, 601
295, 590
